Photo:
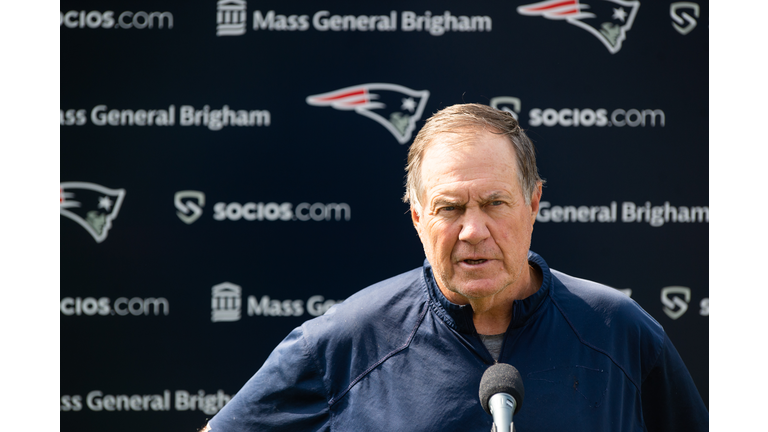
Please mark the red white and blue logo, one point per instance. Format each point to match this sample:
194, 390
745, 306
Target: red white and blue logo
393, 106
608, 20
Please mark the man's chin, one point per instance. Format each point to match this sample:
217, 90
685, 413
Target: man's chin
477, 289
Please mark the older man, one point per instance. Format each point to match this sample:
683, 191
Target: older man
407, 354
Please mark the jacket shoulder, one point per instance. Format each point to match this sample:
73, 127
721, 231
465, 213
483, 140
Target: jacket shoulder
610, 322
363, 330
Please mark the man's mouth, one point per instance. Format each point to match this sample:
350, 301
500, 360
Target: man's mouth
474, 261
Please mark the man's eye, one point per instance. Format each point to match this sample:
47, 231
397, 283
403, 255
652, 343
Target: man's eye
446, 209
496, 203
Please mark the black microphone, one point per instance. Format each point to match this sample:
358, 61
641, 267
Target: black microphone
501, 394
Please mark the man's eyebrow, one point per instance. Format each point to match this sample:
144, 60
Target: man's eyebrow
495, 195
445, 201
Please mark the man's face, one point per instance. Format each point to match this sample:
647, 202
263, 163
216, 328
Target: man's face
474, 224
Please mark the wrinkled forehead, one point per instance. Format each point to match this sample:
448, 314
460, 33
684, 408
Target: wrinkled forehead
476, 142
474, 154
460, 136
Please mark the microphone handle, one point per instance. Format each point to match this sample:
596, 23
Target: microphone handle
502, 407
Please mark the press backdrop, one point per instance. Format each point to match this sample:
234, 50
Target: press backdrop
231, 169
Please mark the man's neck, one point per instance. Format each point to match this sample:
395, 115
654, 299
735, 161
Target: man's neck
492, 315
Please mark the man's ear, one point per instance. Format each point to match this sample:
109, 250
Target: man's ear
535, 200
415, 218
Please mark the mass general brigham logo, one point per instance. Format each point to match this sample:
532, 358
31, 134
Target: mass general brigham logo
393, 106
226, 302
231, 17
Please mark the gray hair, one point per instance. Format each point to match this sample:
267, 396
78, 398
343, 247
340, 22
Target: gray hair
465, 119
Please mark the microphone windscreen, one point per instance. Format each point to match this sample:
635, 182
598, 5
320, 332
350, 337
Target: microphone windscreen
501, 378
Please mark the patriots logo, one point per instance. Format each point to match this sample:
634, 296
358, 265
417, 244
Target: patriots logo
393, 106
93, 206
614, 17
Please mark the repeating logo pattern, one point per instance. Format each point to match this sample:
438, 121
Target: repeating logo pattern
675, 306
227, 304
683, 23
125, 20
393, 106
254, 170
230, 17
92, 206
614, 17
226, 301
189, 210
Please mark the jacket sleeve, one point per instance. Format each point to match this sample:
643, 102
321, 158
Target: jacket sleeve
287, 393
670, 399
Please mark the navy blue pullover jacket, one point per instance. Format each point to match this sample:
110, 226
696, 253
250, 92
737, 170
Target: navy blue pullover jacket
398, 356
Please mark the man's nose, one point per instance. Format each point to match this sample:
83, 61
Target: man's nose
474, 228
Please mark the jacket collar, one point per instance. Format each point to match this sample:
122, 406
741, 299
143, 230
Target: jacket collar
459, 317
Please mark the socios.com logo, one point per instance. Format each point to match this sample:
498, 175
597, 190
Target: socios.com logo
286, 211
683, 22
123, 306
189, 204
124, 20
675, 300
574, 117
581, 117
190, 207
